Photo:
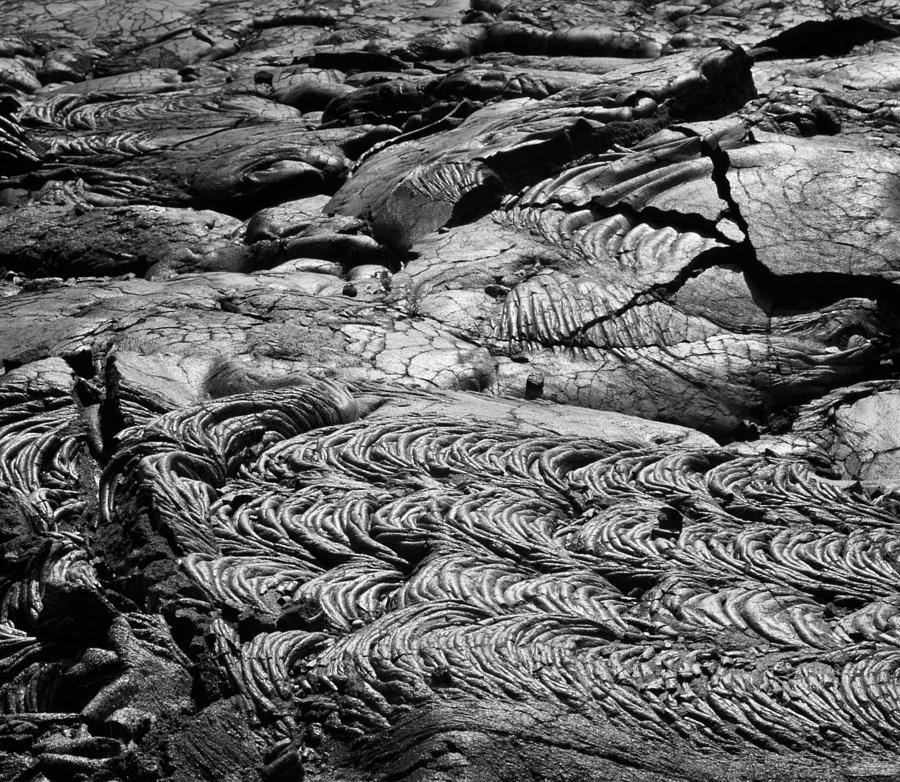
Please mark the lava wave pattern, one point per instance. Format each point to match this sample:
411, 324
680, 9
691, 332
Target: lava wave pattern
687, 595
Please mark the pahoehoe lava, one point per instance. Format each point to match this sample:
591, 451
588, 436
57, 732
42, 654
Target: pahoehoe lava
449, 390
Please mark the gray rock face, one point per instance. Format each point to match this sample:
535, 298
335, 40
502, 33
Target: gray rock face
449, 391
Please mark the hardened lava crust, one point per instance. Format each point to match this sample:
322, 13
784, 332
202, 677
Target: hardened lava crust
443, 391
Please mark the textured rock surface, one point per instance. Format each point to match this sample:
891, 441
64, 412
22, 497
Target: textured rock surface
435, 390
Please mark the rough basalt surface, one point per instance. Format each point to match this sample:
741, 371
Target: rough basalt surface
422, 391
